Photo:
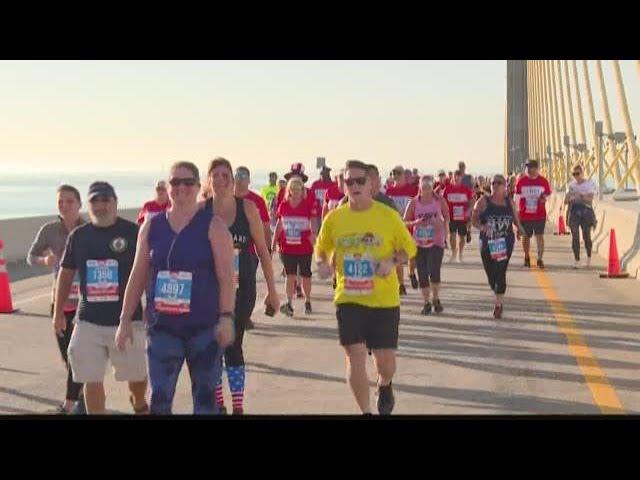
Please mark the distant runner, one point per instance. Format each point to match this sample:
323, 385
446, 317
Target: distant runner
581, 214
155, 206
459, 198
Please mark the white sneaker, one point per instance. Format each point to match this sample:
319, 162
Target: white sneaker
576, 264
460, 260
452, 258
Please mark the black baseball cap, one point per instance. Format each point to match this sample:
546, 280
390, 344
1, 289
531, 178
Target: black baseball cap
531, 163
104, 189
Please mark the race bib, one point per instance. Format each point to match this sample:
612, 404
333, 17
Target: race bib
358, 274
531, 205
102, 281
498, 249
423, 235
458, 213
173, 292
293, 228
236, 266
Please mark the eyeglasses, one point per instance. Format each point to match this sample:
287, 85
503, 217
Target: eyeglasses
352, 181
187, 182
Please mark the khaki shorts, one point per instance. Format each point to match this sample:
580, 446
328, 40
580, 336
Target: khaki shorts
91, 346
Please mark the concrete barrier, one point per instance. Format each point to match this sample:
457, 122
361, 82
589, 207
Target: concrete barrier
624, 217
18, 233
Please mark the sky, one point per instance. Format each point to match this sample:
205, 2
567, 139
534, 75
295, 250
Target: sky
144, 115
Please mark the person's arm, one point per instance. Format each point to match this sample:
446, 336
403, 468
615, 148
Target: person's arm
40, 245
404, 248
516, 218
63, 288
324, 249
276, 234
410, 214
138, 279
477, 211
222, 248
259, 240
444, 208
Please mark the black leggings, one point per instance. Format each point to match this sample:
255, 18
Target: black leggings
73, 388
245, 303
575, 227
428, 263
496, 271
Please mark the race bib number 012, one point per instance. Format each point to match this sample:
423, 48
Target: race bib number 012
173, 292
358, 275
102, 281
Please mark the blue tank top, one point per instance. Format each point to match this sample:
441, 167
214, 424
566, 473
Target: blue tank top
187, 251
499, 221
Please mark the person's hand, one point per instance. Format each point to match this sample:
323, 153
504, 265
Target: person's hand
324, 270
543, 199
273, 300
124, 333
59, 324
224, 332
385, 267
50, 260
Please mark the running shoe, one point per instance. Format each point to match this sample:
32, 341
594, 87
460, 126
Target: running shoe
426, 310
403, 289
249, 325
460, 259
414, 281
287, 310
497, 311
469, 237
386, 400
437, 306
59, 410
222, 410
307, 308
527, 262
299, 293
238, 411
452, 258
540, 263
144, 410
79, 408
576, 264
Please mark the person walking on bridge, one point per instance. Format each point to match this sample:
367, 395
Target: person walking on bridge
459, 199
428, 217
158, 205
102, 253
495, 215
47, 250
363, 242
579, 197
532, 191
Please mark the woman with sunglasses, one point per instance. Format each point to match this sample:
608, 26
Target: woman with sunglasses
428, 217
243, 220
295, 239
185, 258
495, 215
579, 197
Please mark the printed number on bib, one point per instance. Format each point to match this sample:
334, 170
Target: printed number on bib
498, 249
424, 235
358, 274
293, 228
173, 292
102, 281
531, 205
458, 213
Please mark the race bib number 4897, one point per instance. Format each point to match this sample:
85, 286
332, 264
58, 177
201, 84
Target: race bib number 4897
173, 292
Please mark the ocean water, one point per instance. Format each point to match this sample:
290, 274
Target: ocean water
34, 194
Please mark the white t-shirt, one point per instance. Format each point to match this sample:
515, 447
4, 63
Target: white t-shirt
584, 188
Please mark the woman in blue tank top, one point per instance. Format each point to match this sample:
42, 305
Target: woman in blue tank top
495, 215
186, 256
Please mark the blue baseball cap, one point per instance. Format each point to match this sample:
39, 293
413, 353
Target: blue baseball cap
101, 189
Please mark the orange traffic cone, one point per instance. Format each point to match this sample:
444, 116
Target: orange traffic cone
5, 291
562, 229
614, 270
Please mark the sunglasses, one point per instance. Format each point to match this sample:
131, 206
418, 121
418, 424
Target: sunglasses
352, 181
187, 182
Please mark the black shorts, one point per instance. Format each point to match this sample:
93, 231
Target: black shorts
460, 227
297, 264
534, 228
376, 327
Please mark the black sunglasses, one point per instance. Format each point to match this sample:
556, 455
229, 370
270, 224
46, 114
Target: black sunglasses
187, 182
352, 181
576, 173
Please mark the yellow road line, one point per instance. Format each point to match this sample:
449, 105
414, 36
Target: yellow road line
602, 391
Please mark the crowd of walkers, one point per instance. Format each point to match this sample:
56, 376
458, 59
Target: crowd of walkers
195, 249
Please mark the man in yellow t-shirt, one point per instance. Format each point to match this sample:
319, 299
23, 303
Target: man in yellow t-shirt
363, 242
270, 191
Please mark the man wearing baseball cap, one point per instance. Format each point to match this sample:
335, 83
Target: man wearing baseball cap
102, 252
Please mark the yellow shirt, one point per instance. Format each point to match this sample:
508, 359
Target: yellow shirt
356, 241
269, 192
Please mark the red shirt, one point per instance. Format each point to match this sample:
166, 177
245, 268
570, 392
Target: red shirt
458, 197
439, 186
401, 196
294, 238
530, 189
280, 198
318, 190
151, 209
260, 203
333, 196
